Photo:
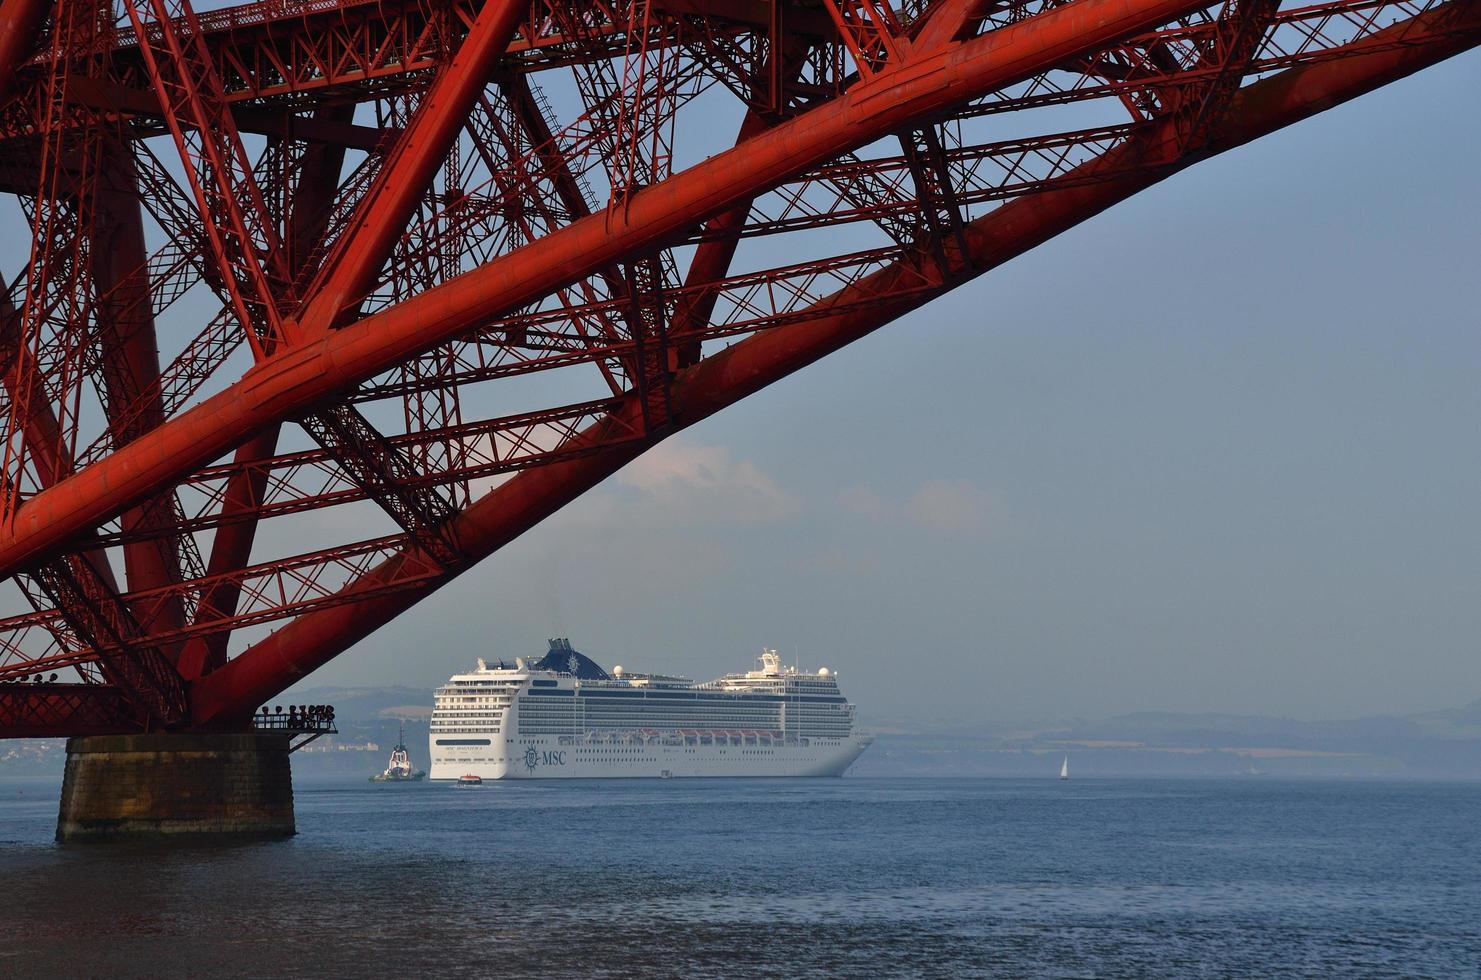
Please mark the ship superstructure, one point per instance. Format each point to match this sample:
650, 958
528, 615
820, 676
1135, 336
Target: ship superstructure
563, 716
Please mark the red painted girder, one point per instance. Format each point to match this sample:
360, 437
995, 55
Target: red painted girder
180, 379
949, 22
118, 103
131, 366
555, 166
296, 379
870, 31
552, 159
242, 239
280, 588
382, 214
764, 299
310, 54
41, 432
63, 710
268, 591
898, 212
1297, 36
231, 547
237, 518
711, 262
265, 486
880, 208
20, 28
537, 180
513, 445
278, 661
276, 51
192, 93
721, 235
26, 669
131, 661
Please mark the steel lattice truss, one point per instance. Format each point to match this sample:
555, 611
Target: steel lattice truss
323, 301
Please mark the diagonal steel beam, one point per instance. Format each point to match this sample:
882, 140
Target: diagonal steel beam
1264, 107
378, 222
243, 238
41, 429
381, 216
713, 255
20, 28
132, 664
231, 548
131, 367
308, 375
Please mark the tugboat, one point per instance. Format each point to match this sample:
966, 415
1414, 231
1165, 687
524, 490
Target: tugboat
400, 770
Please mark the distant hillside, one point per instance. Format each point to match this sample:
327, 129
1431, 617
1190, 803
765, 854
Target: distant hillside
1437, 744
369, 720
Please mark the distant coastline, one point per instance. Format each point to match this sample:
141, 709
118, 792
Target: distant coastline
1432, 745
1438, 744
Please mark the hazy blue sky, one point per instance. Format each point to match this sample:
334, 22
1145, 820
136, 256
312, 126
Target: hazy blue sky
1215, 450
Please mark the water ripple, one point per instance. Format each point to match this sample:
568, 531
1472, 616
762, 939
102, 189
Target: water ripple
788, 878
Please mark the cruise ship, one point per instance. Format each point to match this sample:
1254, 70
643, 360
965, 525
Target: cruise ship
564, 717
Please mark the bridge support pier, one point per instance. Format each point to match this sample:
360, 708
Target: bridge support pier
216, 784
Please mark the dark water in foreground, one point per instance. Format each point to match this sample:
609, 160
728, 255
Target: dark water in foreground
784, 878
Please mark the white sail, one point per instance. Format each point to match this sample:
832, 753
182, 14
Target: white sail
1064, 770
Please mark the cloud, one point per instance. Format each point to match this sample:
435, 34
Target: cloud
681, 515
863, 502
952, 507
836, 561
957, 507
700, 483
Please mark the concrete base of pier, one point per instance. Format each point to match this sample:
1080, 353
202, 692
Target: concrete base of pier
131, 786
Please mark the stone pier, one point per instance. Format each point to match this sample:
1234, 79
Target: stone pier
227, 785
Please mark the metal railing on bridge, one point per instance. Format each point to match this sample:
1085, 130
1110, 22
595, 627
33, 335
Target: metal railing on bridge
311, 720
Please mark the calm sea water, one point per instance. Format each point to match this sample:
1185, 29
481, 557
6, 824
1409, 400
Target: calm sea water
773, 878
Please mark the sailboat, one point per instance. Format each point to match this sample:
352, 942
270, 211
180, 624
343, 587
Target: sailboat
1064, 770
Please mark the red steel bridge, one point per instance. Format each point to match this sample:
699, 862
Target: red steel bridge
307, 306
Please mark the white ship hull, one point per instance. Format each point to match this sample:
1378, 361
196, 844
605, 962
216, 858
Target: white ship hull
545, 758
564, 717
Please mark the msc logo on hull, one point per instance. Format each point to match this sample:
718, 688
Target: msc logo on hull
534, 758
